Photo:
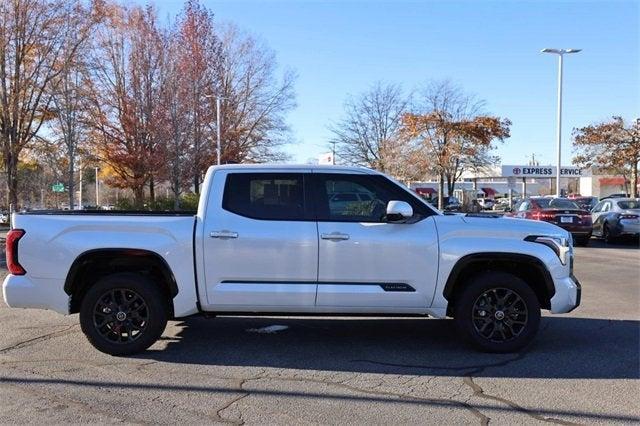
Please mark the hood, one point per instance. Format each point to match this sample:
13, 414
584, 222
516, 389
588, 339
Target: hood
495, 226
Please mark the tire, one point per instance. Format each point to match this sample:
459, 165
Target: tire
145, 314
606, 234
583, 242
498, 332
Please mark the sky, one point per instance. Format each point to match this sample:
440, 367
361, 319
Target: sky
490, 48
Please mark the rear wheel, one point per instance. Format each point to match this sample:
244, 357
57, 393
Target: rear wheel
606, 234
123, 314
497, 312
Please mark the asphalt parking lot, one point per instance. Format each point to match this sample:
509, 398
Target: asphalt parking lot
584, 367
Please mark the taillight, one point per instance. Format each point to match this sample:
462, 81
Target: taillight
586, 217
628, 216
13, 265
544, 216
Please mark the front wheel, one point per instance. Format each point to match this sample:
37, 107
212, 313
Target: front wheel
123, 314
497, 312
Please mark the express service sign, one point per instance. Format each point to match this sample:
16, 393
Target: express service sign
540, 171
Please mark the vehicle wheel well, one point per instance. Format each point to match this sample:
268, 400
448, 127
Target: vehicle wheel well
531, 270
89, 267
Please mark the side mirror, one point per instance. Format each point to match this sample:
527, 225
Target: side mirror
508, 209
399, 211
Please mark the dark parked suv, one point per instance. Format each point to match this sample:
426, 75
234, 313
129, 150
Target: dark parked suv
559, 211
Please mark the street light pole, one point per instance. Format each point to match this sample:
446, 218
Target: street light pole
97, 188
560, 53
218, 127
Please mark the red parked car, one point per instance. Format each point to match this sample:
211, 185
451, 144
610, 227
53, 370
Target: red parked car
561, 212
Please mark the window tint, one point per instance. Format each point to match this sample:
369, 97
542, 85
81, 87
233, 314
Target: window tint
268, 196
631, 204
606, 207
556, 203
357, 198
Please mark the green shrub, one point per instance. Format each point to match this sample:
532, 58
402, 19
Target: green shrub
188, 202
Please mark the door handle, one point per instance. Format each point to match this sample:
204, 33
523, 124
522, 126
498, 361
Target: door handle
334, 236
223, 234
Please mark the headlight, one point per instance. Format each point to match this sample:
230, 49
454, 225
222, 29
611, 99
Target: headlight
561, 245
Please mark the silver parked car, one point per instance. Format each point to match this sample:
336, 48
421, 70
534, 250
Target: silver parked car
616, 217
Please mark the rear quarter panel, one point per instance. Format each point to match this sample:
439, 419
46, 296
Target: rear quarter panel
53, 242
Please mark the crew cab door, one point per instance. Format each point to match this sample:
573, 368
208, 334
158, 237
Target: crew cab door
365, 262
260, 242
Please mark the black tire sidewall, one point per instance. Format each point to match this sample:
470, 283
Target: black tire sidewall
152, 296
487, 281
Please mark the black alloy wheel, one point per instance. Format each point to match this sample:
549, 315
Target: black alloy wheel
497, 312
123, 313
499, 315
120, 315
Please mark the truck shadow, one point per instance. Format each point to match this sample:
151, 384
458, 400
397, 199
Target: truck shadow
565, 347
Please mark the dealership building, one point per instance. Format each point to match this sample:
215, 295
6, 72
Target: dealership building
530, 180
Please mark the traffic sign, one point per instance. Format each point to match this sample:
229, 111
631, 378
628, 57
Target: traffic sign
57, 187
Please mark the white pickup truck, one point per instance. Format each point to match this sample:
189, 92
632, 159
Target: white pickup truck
291, 240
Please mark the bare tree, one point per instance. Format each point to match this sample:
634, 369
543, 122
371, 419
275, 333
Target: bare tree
198, 61
37, 39
176, 101
254, 100
68, 111
453, 133
369, 133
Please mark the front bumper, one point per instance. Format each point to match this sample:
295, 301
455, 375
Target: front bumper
567, 296
20, 291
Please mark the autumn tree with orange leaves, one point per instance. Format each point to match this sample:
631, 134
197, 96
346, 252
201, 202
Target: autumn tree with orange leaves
612, 145
453, 133
38, 40
126, 89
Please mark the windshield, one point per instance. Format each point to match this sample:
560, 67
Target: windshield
556, 203
630, 204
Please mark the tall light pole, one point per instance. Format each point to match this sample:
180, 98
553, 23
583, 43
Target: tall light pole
97, 188
560, 53
218, 148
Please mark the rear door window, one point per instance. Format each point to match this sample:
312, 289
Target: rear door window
266, 196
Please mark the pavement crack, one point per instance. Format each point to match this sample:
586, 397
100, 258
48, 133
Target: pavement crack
245, 393
479, 392
484, 420
38, 339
